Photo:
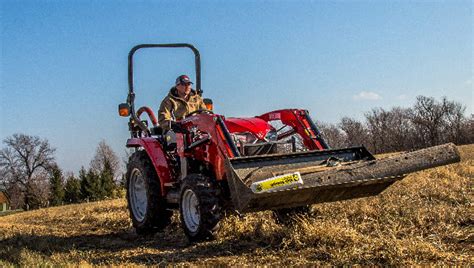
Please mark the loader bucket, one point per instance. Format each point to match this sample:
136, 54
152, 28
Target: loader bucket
296, 179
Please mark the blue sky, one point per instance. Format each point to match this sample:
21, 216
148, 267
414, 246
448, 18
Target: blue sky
63, 65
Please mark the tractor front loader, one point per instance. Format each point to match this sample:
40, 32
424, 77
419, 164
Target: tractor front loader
276, 161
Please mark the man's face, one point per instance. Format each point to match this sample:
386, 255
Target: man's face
184, 89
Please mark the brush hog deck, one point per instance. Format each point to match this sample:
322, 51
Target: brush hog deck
325, 176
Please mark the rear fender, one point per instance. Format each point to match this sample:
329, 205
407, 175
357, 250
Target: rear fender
157, 156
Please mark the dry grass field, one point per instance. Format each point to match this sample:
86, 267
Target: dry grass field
427, 218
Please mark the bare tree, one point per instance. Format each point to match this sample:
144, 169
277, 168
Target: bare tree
17, 196
126, 157
355, 131
427, 117
3, 179
401, 129
455, 122
468, 129
390, 130
105, 157
24, 162
333, 135
377, 121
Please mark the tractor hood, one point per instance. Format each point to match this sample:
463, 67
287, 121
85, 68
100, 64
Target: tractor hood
256, 126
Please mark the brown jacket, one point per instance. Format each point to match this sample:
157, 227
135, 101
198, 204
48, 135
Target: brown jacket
174, 107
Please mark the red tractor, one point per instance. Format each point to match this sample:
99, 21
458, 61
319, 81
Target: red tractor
276, 161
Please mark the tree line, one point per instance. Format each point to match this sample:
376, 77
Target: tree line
429, 122
33, 179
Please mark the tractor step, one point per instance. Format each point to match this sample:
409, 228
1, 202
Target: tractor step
270, 182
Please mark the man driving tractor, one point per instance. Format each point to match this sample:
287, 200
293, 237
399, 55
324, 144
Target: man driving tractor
181, 101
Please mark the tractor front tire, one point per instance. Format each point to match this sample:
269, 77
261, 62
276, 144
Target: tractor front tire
200, 208
147, 207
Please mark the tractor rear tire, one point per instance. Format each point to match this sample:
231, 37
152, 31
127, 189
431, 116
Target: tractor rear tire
200, 208
147, 207
288, 216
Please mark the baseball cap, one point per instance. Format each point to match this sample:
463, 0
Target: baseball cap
183, 79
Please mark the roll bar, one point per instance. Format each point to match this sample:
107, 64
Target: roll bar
131, 93
197, 59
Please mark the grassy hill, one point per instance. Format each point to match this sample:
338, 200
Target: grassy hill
427, 218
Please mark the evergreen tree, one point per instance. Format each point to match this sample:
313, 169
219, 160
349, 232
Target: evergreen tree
104, 167
72, 191
56, 186
108, 186
90, 185
84, 183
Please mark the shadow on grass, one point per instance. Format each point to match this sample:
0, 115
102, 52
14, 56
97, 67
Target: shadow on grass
107, 248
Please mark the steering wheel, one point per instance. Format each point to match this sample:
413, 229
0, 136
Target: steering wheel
201, 111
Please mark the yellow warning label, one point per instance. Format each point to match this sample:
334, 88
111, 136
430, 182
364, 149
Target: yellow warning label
283, 181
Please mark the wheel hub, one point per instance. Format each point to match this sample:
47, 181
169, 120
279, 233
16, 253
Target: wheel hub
190, 210
138, 195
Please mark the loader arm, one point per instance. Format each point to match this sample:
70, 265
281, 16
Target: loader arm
301, 123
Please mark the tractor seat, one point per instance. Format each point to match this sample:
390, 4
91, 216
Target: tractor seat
168, 142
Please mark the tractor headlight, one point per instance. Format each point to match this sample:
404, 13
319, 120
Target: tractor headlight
245, 138
272, 135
